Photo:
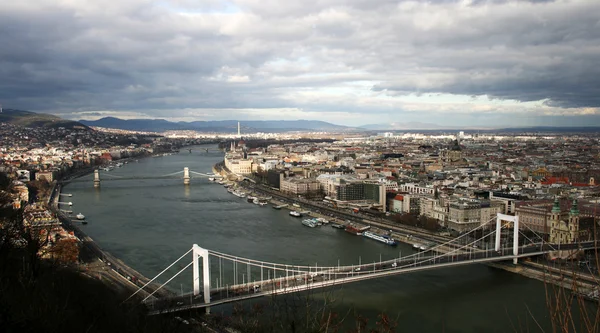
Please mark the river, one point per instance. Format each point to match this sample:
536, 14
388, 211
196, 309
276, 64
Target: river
150, 223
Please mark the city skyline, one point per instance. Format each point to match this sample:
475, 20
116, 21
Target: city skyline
450, 63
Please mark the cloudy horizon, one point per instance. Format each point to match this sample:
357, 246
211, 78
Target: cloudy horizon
465, 63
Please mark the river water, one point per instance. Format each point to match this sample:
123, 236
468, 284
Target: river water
150, 223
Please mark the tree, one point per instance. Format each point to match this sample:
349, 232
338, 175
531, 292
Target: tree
39, 189
4, 181
65, 251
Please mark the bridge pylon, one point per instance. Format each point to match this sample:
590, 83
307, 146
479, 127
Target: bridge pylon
515, 221
197, 252
96, 178
186, 176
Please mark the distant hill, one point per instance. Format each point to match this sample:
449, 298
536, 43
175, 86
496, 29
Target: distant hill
159, 125
33, 120
151, 125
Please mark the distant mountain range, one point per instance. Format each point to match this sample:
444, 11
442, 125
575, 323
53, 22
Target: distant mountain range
34, 120
221, 126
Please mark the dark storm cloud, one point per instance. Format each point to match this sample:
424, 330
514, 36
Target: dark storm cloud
330, 56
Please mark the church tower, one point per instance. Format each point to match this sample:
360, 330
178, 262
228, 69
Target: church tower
555, 221
574, 222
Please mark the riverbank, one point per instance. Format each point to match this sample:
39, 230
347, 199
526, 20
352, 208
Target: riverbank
408, 236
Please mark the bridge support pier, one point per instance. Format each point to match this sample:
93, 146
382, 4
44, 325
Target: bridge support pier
96, 178
197, 251
186, 176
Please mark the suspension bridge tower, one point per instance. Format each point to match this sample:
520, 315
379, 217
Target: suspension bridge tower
96, 178
197, 253
186, 176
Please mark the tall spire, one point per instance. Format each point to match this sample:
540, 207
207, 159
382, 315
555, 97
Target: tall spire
574, 208
556, 207
239, 134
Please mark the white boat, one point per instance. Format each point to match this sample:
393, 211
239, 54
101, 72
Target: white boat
238, 194
385, 240
309, 223
295, 213
80, 216
255, 201
212, 179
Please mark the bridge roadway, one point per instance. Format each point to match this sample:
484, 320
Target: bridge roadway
104, 179
346, 274
108, 177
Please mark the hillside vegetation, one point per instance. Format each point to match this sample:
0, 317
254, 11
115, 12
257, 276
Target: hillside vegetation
33, 120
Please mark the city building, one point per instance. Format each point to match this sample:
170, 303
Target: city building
300, 186
468, 214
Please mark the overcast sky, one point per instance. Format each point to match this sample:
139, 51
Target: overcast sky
350, 62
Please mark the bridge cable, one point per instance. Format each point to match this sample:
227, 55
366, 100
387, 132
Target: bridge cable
172, 174
169, 280
262, 265
164, 270
445, 254
282, 267
110, 175
549, 244
200, 174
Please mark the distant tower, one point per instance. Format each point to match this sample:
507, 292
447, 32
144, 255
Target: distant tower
96, 178
186, 176
239, 128
0, 108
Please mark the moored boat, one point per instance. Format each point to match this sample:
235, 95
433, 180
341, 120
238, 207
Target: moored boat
380, 238
309, 223
295, 213
338, 226
80, 216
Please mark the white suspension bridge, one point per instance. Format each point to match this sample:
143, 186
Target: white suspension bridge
186, 174
221, 278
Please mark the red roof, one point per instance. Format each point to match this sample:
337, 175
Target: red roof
580, 184
399, 197
555, 180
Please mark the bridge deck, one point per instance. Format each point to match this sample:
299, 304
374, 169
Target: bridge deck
333, 276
